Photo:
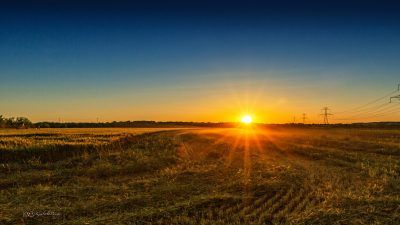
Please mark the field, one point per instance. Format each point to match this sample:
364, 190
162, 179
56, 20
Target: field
200, 176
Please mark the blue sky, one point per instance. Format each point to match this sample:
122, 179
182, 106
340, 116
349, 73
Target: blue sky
194, 61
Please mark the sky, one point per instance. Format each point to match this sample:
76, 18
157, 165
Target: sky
199, 60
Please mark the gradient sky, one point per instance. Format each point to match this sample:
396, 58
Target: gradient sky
204, 61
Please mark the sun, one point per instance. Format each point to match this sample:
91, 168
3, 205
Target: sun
246, 119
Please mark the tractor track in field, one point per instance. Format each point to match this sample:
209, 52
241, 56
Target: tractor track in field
271, 206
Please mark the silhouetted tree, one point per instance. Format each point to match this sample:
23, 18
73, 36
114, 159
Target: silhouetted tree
19, 122
22, 122
2, 122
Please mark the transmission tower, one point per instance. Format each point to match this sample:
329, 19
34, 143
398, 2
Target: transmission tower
304, 117
326, 114
396, 96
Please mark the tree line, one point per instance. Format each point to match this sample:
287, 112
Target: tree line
15, 122
23, 122
130, 124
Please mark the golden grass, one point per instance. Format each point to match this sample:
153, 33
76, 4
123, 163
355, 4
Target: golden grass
77, 131
204, 176
12, 139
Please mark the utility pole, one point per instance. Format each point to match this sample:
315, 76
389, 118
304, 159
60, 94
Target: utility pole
294, 119
326, 114
304, 118
396, 96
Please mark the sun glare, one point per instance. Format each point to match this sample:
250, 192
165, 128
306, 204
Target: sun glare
247, 119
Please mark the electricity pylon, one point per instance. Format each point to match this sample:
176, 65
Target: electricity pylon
304, 118
326, 114
396, 96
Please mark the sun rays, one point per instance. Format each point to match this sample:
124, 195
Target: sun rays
245, 147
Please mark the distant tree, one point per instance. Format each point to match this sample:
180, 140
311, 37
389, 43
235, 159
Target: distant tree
19, 122
2, 122
44, 125
22, 122
10, 122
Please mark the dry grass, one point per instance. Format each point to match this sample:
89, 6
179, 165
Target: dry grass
17, 145
208, 176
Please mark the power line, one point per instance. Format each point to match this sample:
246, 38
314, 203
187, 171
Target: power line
371, 107
362, 107
393, 110
371, 110
367, 109
387, 106
385, 112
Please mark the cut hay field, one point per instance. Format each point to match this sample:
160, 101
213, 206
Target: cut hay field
200, 176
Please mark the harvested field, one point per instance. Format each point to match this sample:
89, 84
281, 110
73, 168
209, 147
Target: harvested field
200, 176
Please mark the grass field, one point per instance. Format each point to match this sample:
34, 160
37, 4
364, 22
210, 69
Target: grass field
200, 176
